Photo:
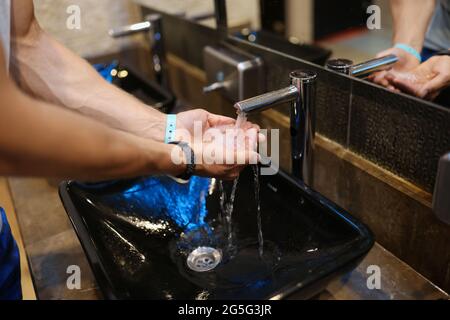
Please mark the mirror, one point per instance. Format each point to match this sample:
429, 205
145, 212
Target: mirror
357, 30
200, 11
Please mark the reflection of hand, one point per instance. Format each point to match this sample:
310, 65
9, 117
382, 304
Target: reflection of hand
406, 62
425, 81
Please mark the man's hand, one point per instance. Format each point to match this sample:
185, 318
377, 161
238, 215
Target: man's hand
406, 62
223, 149
223, 152
188, 119
225, 159
425, 81
151, 127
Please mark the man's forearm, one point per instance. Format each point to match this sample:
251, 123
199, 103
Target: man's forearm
49, 71
411, 19
51, 141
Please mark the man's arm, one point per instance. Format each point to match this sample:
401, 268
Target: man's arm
411, 19
40, 139
49, 71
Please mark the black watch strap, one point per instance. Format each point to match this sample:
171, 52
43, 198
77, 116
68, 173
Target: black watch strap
190, 157
443, 53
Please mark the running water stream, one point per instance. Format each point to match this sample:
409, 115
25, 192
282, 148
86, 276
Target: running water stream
227, 205
258, 212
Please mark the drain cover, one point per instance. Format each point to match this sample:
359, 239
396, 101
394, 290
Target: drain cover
204, 259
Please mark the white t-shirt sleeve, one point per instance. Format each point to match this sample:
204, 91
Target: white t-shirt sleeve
5, 28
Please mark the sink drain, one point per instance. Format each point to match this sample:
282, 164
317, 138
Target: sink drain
204, 259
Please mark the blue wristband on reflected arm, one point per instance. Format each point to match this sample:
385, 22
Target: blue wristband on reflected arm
410, 50
171, 126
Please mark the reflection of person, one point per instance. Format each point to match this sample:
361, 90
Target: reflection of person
60, 118
425, 81
417, 40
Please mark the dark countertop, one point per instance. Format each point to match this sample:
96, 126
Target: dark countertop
52, 246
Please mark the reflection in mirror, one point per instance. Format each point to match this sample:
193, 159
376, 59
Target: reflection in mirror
359, 31
200, 11
340, 26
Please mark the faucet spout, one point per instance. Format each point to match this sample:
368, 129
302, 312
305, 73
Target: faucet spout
301, 95
363, 69
267, 100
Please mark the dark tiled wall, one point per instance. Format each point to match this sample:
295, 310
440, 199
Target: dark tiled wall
400, 133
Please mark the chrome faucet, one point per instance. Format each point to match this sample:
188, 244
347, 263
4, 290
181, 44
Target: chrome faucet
301, 94
364, 69
152, 23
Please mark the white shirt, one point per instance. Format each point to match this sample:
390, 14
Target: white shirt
438, 35
5, 27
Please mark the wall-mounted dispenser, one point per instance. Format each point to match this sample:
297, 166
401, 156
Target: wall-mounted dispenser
441, 197
237, 74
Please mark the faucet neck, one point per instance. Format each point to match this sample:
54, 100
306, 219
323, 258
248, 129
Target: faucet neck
301, 93
302, 128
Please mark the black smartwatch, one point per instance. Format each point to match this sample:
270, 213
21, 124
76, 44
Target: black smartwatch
190, 157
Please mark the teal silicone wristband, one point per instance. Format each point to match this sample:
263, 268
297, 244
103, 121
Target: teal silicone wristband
410, 50
171, 126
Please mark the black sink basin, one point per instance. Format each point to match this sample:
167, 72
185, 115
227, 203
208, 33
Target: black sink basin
138, 233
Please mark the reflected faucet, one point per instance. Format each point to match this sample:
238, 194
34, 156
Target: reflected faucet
301, 94
152, 23
364, 69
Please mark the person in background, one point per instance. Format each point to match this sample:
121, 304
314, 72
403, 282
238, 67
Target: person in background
60, 118
422, 42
